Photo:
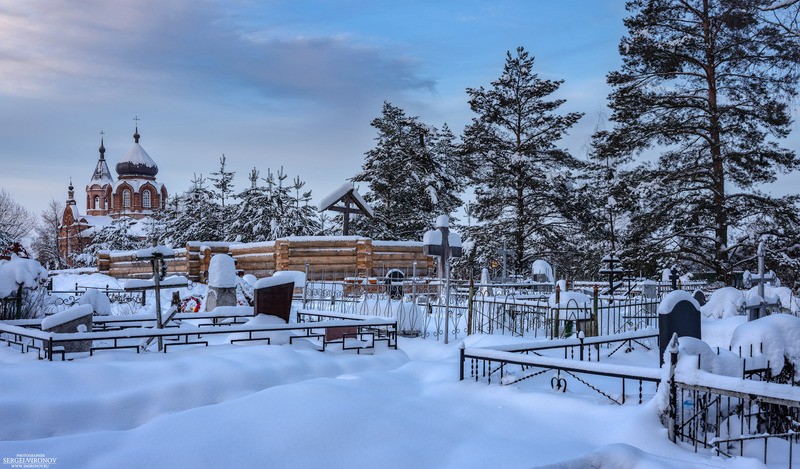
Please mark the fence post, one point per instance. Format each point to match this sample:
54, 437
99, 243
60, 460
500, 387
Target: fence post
595, 312
558, 312
461, 356
581, 337
469, 306
18, 313
305, 285
672, 430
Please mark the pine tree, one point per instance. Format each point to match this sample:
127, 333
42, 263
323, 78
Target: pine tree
519, 173
408, 184
708, 84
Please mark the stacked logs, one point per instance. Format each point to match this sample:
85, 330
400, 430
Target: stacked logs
329, 258
388, 255
124, 264
254, 258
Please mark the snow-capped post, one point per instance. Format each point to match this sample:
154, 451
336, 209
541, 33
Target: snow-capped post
672, 426
444, 244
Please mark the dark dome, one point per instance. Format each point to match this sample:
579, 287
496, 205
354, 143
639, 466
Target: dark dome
137, 163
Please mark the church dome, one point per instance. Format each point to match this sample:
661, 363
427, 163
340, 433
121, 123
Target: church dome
137, 162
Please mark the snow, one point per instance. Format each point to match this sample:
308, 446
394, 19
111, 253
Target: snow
674, 297
275, 337
222, 271
570, 299
150, 252
98, 300
66, 316
774, 337
782, 295
17, 272
258, 405
410, 244
542, 267
723, 303
272, 281
171, 281
299, 278
334, 196
434, 238
136, 155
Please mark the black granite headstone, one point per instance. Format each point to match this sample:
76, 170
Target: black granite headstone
684, 320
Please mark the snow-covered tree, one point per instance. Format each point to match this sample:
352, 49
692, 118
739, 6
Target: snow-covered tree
267, 212
222, 180
707, 84
116, 236
194, 216
521, 177
409, 184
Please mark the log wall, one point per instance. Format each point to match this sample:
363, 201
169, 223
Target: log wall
328, 258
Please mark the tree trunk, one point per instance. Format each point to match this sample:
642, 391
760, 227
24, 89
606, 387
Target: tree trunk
717, 167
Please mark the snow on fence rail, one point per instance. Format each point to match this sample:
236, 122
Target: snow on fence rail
725, 413
531, 363
47, 343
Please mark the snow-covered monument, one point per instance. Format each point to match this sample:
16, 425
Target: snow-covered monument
134, 194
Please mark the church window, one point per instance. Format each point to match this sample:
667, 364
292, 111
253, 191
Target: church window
126, 199
146, 198
96, 202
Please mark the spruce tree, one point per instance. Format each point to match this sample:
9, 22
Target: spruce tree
195, 216
408, 185
520, 175
707, 84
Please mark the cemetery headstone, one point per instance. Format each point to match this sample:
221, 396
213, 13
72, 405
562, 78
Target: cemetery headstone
70, 321
700, 297
678, 313
222, 282
273, 297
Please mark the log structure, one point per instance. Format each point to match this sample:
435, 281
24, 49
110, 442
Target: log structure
328, 258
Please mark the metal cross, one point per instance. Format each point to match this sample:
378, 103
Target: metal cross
136, 119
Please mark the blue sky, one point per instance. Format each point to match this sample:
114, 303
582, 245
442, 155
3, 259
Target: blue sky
269, 83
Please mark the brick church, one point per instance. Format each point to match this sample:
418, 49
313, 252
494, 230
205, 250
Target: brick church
135, 194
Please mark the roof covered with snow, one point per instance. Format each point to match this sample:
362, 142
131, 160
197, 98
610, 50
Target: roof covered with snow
137, 163
342, 193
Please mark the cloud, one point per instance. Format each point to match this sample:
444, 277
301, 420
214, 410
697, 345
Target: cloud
53, 48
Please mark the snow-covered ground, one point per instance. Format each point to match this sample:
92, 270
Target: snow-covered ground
289, 406
285, 406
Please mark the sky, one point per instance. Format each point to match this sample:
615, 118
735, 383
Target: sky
271, 84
